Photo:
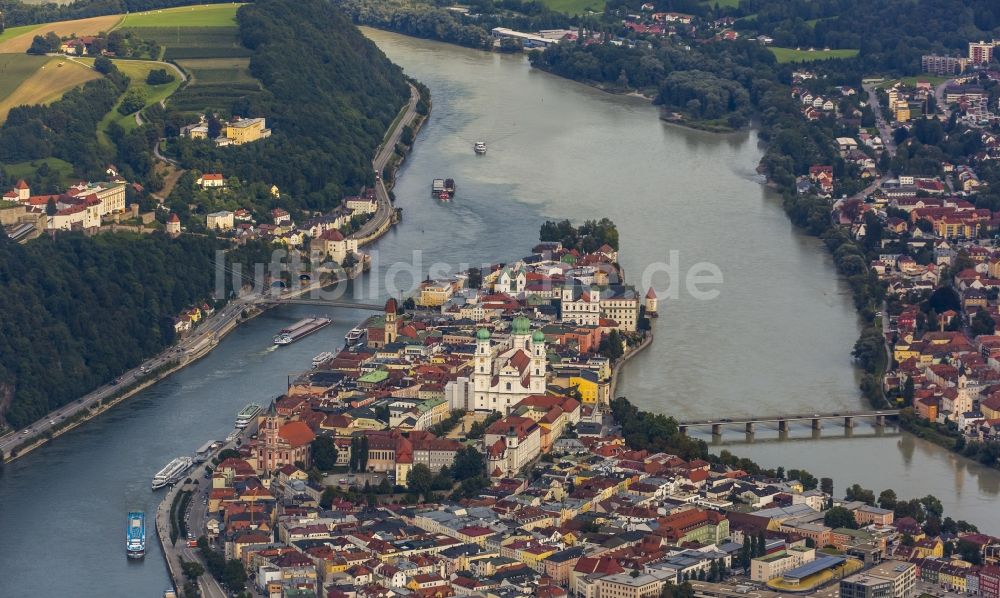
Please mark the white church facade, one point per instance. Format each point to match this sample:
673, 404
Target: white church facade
504, 371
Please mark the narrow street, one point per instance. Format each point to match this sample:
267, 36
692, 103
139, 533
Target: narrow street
883, 126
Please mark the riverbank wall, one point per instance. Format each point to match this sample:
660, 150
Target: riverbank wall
163, 534
648, 340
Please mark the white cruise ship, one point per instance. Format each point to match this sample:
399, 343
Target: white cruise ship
321, 358
247, 415
172, 472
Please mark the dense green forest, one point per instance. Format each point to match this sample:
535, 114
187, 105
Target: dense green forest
79, 311
426, 21
718, 82
330, 95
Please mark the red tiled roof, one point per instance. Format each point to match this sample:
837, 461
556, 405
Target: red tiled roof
296, 433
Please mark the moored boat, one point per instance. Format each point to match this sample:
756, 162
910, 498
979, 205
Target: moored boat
355, 335
246, 415
172, 472
321, 358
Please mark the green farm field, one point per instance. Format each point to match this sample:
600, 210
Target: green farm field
575, 7
49, 81
206, 71
792, 55
12, 32
15, 68
206, 15
195, 42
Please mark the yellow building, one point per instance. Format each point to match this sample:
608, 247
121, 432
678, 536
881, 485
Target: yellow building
434, 294
901, 352
365, 423
198, 132
902, 112
949, 228
591, 389
929, 548
246, 130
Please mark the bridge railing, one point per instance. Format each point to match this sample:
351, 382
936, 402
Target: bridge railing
790, 418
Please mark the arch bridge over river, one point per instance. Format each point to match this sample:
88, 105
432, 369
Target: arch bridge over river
782, 421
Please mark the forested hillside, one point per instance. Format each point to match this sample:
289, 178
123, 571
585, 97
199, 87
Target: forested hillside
330, 95
78, 311
718, 82
65, 129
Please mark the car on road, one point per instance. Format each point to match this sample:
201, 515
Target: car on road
116, 380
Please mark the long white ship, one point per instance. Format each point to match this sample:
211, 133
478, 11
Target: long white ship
322, 358
247, 415
355, 335
172, 472
304, 327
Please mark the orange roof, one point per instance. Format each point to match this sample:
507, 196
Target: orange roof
296, 433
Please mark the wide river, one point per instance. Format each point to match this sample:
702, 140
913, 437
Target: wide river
775, 339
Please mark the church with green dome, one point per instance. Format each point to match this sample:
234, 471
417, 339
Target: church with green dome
507, 368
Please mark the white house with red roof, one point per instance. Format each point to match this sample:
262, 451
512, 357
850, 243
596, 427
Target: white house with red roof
211, 180
83, 205
280, 216
365, 203
334, 245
